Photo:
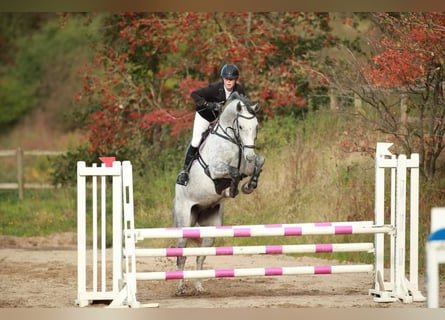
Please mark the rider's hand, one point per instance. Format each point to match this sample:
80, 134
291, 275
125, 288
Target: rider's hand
214, 106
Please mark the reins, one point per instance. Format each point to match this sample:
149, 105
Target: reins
236, 139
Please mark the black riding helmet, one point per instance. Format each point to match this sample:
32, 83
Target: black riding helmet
229, 71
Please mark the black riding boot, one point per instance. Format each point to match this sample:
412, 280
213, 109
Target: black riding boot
183, 177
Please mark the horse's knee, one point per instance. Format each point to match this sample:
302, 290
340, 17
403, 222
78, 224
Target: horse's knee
200, 262
259, 160
180, 262
234, 173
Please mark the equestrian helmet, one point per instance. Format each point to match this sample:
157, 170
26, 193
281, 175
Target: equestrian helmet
230, 71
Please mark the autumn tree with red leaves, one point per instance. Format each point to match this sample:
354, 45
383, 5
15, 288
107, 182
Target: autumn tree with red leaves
136, 93
402, 83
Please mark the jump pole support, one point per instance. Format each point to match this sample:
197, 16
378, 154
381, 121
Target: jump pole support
125, 236
398, 287
435, 255
107, 290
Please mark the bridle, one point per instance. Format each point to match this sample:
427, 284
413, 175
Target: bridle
235, 138
235, 128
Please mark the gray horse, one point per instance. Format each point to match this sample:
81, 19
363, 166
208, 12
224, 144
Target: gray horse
226, 156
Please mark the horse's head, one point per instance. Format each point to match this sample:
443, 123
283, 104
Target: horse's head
244, 123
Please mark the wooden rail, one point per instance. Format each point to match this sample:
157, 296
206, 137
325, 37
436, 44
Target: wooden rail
19, 154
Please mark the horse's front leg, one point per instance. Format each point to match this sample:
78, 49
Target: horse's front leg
222, 170
236, 178
251, 185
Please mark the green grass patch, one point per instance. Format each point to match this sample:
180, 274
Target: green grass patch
40, 213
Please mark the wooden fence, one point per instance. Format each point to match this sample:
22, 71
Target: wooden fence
21, 184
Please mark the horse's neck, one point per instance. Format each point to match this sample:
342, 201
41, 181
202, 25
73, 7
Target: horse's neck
223, 131
225, 126
227, 117
218, 147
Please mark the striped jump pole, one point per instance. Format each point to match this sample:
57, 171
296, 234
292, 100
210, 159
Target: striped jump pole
267, 249
263, 231
250, 272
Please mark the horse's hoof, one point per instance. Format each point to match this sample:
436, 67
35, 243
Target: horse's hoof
199, 289
180, 292
247, 189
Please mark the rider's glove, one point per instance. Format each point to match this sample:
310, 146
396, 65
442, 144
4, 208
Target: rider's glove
214, 106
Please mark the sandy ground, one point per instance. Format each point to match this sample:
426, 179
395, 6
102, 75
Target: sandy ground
41, 272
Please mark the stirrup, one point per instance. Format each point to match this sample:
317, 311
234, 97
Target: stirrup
183, 178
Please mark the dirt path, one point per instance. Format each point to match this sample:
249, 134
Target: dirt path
41, 272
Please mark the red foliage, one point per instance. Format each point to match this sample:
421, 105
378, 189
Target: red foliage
143, 78
409, 50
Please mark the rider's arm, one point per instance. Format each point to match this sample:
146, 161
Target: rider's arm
206, 97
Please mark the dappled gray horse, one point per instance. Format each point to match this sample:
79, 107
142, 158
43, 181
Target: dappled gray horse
226, 157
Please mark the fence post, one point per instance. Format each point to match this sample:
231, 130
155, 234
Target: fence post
404, 111
357, 102
333, 106
20, 182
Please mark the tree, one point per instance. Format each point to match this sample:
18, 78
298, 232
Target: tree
19, 88
136, 92
402, 83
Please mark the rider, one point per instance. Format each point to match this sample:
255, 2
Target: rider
208, 101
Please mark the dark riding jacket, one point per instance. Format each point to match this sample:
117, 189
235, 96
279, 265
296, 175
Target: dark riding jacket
214, 92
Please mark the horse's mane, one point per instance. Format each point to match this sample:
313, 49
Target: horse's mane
237, 96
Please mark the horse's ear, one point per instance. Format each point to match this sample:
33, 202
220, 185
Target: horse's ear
256, 107
239, 107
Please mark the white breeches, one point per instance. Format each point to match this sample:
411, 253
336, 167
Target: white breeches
199, 126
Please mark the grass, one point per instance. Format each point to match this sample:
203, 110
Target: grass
306, 178
41, 213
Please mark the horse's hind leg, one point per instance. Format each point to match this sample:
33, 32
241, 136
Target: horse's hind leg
206, 242
211, 217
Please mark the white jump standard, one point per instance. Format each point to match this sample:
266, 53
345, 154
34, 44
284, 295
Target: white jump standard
118, 284
435, 255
